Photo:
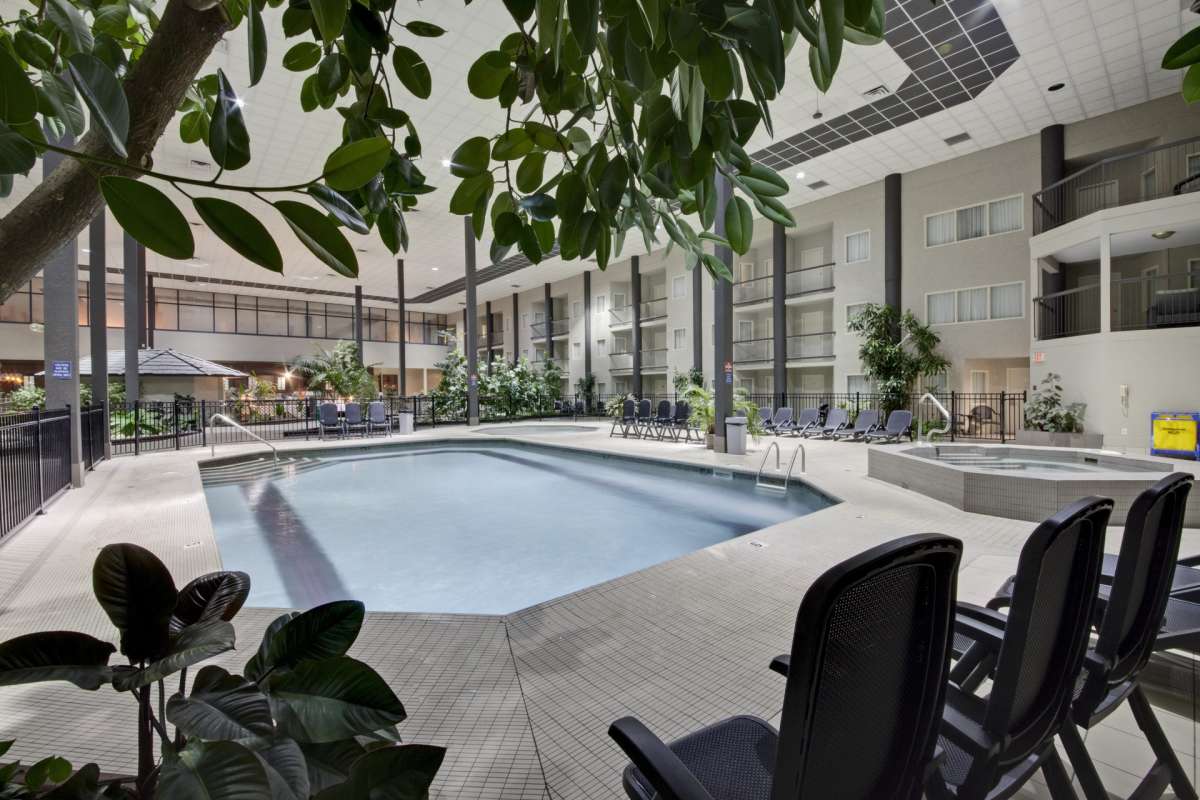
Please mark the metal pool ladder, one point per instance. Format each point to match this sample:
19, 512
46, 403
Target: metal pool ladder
775, 487
946, 429
243, 429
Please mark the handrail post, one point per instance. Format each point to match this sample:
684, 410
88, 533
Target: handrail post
175, 419
1003, 403
137, 428
37, 420
953, 412
203, 422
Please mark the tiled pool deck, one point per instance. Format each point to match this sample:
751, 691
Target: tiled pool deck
523, 702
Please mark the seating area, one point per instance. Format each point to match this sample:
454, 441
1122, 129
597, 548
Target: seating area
823, 422
669, 420
349, 420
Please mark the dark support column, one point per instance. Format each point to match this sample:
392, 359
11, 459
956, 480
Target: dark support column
516, 333
1054, 169
401, 383
471, 320
487, 334
60, 341
358, 322
779, 311
549, 320
98, 315
892, 253
144, 285
635, 293
722, 327
150, 311
133, 300
587, 323
698, 317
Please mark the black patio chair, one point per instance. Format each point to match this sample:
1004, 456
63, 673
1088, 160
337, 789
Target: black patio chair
642, 425
329, 421
767, 416
681, 424
979, 418
993, 746
866, 680
377, 418
835, 420
661, 420
627, 420
899, 423
808, 421
354, 419
779, 423
866, 421
1133, 605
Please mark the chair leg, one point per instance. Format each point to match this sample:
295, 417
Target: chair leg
1144, 715
1081, 760
1057, 780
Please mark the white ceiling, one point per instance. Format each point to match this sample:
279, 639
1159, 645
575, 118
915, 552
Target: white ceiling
1106, 52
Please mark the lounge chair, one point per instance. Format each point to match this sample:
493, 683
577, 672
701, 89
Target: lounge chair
899, 422
377, 418
778, 424
662, 419
627, 420
643, 425
866, 421
866, 681
764, 414
973, 424
834, 422
354, 419
993, 745
805, 424
329, 421
1133, 605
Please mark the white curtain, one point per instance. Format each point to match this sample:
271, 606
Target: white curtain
972, 305
1004, 215
858, 247
1007, 301
939, 229
940, 308
972, 222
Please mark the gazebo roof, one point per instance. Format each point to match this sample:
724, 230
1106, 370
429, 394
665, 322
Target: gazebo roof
163, 362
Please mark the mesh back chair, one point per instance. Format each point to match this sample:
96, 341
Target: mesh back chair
1134, 607
627, 420
781, 423
866, 680
330, 423
642, 423
768, 418
993, 746
808, 421
866, 421
681, 423
835, 420
377, 418
354, 418
662, 419
899, 422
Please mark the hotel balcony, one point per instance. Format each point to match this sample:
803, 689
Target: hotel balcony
803, 347
1143, 302
652, 360
558, 327
655, 308
799, 282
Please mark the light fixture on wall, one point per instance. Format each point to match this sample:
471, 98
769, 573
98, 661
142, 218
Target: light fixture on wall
1160, 235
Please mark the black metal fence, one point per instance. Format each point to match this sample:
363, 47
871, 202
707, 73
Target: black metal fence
35, 463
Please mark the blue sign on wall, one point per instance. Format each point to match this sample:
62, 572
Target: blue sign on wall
60, 369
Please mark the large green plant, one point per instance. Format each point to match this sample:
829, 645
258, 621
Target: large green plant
338, 371
1046, 411
304, 720
894, 363
611, 115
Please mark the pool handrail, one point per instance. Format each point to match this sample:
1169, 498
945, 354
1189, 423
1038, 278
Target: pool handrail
949, 420
243, 429
799, 451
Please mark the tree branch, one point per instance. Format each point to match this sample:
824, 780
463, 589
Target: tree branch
63, 204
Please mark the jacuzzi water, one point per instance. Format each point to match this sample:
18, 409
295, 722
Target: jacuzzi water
997, 459
477, 527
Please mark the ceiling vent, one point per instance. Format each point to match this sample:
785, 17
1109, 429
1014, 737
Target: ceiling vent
818, 185
958, 138
878, 91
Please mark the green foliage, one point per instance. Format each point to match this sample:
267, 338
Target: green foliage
702, 401
1046, 411
511, 391
585, 389
1185, 54
893, 363
616, 115
337, 372
26, 397
616, 404
305, 721
682, 381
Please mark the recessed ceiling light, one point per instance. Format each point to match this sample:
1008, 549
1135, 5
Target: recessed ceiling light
239, 102
85, 250
1163, 234
435, 269
800, 175
308, 278
446, 162
1054, 87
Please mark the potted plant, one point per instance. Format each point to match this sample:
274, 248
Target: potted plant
704, 412
1050, 421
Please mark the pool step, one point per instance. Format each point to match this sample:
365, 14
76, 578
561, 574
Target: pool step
257, 469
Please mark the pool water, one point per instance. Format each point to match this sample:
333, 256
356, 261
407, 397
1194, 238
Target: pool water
478, 527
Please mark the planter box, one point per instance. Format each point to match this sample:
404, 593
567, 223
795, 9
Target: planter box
1089, 441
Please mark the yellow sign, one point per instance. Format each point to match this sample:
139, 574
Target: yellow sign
1175, 433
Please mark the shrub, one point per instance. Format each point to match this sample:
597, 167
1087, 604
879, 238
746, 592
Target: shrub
1046, 411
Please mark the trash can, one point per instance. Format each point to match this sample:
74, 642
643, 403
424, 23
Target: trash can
735, 436
404, 422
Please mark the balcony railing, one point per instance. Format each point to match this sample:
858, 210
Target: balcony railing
809, 280
754, 290
558, 327
622, 360
654, 358
620, 315
1156, 301
540, 358
494, 339
810, 345
747, 350
1073, 312
654, 308
1162, 171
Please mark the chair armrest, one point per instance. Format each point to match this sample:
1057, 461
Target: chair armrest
980, 614
962, 730
979, 632
1189, 561
781, 664
669, 776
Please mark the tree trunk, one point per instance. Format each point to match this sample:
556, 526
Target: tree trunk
60, 206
